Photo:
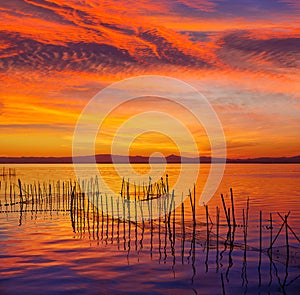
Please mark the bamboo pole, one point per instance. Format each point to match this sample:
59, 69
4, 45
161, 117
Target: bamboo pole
287, 239
182, 217
218, 224
207, 238
279, 230
225, 210
232, 208
292, 231
20, 186
271, 233
260, 247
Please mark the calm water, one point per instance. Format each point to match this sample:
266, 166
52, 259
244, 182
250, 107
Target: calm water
42, 253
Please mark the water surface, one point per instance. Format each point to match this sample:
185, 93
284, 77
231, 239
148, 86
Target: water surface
42, 253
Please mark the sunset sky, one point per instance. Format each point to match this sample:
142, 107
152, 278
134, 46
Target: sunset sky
242, 55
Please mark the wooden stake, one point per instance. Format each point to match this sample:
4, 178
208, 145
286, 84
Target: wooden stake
232, 207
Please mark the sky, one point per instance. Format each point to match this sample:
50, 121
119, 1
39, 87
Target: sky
242, 55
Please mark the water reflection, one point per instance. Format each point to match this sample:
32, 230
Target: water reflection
166, 237
175, 237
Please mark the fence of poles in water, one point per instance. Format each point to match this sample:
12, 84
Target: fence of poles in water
105, 218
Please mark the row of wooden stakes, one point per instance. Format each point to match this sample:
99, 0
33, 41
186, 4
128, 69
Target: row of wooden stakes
102, 217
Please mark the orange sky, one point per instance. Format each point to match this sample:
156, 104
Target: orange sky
56, 55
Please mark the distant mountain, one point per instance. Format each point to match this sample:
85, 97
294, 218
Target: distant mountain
266, 160
107, 158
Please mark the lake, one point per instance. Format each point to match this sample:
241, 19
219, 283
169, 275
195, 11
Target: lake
46, 249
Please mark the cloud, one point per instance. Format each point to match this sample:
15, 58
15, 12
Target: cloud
259, 54
84, 39
61, 35
56, 54
292, 3
37, 127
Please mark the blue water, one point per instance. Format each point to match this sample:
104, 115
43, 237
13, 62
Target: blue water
42, 253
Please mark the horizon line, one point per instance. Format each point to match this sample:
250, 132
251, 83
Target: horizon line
138, 159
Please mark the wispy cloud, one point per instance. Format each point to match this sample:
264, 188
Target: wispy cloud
56, 54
